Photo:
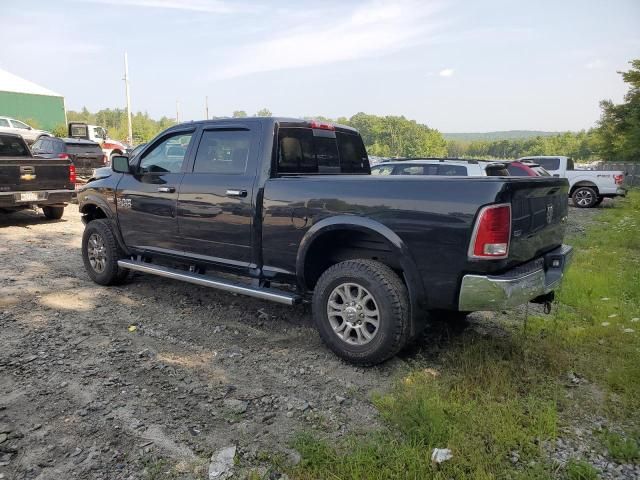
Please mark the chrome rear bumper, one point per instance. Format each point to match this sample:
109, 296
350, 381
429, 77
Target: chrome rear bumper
517, 286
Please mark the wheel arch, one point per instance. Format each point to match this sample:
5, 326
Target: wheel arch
325, 231
584, 183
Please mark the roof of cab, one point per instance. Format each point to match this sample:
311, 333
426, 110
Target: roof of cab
282, 121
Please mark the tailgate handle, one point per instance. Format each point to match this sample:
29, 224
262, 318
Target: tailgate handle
166, 189
27, 169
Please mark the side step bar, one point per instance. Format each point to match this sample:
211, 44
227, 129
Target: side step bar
219, 283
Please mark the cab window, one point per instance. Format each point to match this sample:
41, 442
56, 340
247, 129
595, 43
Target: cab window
303, 150
168, 155
223, 151
386, 170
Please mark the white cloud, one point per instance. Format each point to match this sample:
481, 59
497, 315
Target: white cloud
595, 64
372, 29
447, 72
209, 6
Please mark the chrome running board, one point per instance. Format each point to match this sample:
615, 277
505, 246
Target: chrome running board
213, 282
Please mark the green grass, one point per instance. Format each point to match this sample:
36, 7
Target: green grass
495, 396
623, 449
580, 470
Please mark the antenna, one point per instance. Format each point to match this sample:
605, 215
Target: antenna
177, 111
206, 108
126, 85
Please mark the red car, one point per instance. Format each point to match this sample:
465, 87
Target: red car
526, 169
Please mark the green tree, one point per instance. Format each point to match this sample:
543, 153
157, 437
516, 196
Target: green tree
618, 131
239, 114
264, 112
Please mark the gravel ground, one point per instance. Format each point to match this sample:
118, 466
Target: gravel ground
125, 382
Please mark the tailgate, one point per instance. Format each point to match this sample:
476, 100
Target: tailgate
539, 208
32, 174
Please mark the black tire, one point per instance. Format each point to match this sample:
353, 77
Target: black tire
390, 300
53, 213
584, 197
101, 258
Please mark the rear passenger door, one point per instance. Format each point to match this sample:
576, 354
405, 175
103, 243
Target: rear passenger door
216, 199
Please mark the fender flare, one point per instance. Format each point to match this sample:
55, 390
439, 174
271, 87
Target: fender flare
583, 183
110, 216
412, 277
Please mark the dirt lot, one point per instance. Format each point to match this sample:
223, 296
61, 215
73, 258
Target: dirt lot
127, 382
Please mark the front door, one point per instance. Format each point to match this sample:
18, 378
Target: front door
147, 199
216, 201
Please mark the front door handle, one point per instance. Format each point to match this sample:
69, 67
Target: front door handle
166, 189
236, 193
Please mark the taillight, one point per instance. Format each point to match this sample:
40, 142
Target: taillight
322, 125
492, 232
72, 174
618, 179
63, 156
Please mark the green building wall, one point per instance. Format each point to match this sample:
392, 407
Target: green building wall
46, 112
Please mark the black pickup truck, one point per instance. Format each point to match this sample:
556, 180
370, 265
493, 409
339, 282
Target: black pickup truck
290, 206
27, 182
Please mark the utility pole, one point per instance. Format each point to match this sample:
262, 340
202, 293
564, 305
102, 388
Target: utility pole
177, 111
126, 84
206, 108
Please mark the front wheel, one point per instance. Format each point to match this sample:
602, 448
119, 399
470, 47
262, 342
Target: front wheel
584, 197
361, 309
100, 254
53, 213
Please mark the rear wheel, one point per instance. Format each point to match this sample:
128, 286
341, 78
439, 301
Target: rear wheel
361, 309
100, 254
584, 197
53, 213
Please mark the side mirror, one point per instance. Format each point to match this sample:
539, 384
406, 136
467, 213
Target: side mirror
120, 164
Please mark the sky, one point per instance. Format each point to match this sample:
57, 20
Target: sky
455, 65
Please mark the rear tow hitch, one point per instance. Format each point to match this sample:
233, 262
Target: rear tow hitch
545, 300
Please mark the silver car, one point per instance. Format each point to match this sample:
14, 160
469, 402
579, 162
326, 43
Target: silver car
30, 134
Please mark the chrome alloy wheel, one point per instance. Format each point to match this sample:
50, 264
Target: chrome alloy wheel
353, 314
96, 251
584, 198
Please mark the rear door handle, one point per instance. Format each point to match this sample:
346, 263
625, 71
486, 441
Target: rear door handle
236, 193
166, 189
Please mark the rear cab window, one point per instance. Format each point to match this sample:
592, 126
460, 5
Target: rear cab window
12, 147
92, 149
303, 150
548, 163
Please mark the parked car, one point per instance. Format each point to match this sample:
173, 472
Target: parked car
27, 182
85, 155
442, 167
586, 188
290, 206
526, 169
30, 134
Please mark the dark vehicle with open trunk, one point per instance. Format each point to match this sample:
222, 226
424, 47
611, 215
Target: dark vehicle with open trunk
290, 205
27, 182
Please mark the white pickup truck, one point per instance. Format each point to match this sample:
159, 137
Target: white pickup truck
587, 188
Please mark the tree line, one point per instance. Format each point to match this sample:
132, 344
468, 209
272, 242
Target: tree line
615, 137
